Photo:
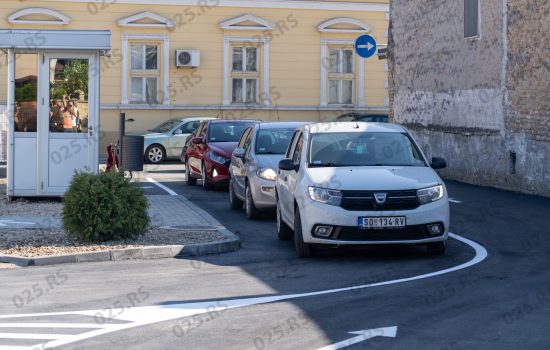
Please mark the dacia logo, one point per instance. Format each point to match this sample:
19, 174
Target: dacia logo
380, 197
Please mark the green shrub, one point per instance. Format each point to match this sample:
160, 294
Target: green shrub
104, 207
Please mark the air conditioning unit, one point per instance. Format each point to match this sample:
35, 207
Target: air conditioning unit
188, 58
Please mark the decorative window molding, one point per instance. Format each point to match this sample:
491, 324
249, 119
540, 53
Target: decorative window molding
360, 80
236, 23
56, 17
265, 94
356, 26
165, 68
133, 21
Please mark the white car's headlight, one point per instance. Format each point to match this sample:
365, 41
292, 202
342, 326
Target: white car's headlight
267, 173
216, 158
326, 196
430, 194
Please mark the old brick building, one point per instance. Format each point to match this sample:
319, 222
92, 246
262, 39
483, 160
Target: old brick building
471, 79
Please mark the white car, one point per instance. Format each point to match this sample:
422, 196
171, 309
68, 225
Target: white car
167, 140
355, 183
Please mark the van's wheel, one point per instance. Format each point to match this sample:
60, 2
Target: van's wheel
436, 248
303, 250
234, 202
284, 233
250, 208
155, 154
190, 180
205, 183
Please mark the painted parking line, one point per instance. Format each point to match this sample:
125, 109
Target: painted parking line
452, 200
170, 192
147, 315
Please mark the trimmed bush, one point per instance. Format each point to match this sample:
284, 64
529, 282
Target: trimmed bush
104, 207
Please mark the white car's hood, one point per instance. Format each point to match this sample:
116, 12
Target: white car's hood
373, 178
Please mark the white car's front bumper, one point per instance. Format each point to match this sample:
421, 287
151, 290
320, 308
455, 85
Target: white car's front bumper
346, 224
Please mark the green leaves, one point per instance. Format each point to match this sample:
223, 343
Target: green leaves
104, 207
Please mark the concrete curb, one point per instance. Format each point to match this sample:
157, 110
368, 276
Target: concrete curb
229, 244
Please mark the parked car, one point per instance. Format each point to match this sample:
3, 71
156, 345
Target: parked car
166, 140
359, 184
254, 165
209, 153
362, 117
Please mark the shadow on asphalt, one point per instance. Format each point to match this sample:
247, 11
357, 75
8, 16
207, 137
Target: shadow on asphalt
493, 218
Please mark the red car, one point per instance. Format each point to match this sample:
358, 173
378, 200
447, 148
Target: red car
209, 151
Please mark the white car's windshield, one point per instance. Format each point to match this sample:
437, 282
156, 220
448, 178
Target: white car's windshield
363, 149
166, 126
273, 141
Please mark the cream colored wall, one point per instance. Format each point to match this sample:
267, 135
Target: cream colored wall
295, 56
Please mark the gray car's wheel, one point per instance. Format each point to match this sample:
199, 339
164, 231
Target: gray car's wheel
436, 248
155, 154
250, 208
190, 180
205, 183
234, 202
303, 250
284, 233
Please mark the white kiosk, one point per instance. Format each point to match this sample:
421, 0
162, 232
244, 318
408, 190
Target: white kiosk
53, 107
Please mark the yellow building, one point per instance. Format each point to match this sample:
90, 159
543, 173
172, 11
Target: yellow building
254, 59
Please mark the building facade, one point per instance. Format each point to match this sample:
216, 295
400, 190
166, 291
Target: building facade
471, 79
261, 59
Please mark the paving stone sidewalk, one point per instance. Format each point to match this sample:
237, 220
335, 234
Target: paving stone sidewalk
179, 211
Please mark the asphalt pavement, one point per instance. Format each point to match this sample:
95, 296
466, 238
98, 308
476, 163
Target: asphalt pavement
263, 297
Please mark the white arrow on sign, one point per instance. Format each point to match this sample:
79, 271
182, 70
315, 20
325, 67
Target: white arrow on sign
367, 46
4, 223
390, 332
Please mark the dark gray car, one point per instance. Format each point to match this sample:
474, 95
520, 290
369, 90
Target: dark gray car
254, 166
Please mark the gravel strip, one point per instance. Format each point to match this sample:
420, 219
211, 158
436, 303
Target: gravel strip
35, 243
7, 266
28, 207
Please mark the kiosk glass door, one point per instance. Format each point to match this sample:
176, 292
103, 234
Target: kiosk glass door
66, 130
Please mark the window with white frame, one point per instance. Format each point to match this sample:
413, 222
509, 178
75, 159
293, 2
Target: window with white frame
144, 73
245, 75
341, 75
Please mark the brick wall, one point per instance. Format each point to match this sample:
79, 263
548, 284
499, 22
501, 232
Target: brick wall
528, 72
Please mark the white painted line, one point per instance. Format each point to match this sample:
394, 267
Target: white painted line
50, 325
452, 200
170, 192
390, 332
146, 315
32, 336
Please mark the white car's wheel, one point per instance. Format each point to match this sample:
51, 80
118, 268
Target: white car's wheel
284, 233
155, 154
303, 249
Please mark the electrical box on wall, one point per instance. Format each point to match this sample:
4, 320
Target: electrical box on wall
188, 58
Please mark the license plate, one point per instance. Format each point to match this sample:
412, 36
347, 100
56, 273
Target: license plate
383, 222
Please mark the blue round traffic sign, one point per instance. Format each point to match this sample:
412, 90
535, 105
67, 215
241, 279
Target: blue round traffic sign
365, 46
